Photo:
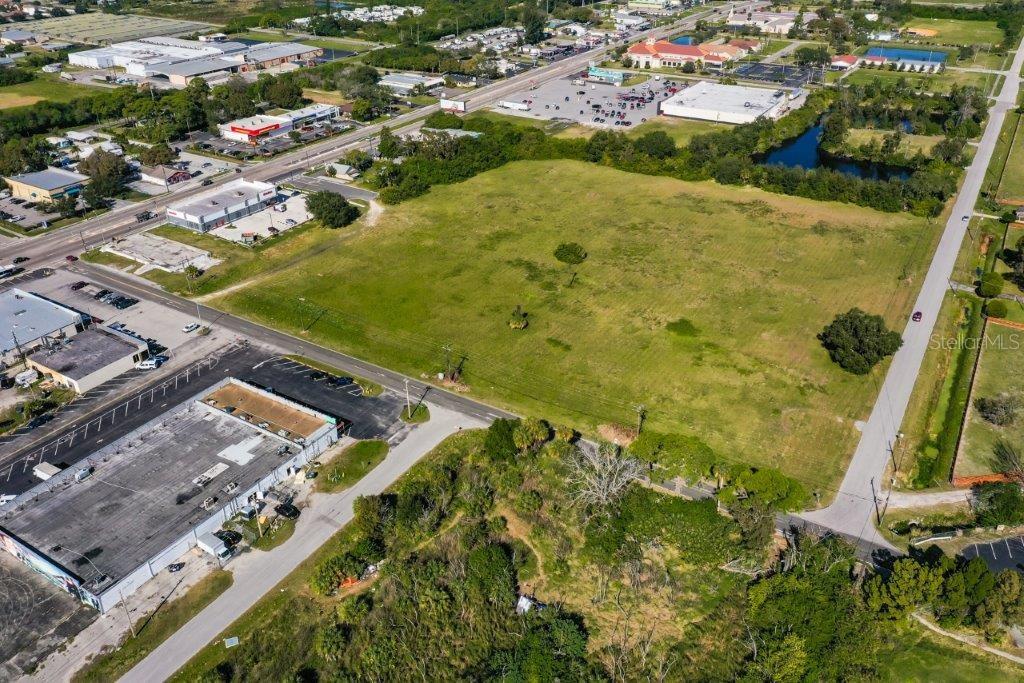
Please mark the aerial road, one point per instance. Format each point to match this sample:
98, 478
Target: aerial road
58, 244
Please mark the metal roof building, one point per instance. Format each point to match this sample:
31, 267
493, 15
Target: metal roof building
28, 320
222, 205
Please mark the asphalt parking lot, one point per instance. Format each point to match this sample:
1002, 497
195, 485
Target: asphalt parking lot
206, 167
30, 217
269, 146
590, 104
367, 417
1006, 553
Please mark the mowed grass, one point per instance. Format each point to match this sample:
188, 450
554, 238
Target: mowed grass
680, 130
909, 144
350, 465
1011, 182
52, 89
935, 83
699, 301
958, 31
1000, 370
920, 656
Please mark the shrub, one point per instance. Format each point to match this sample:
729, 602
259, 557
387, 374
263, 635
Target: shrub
332, 210
571, 253
999, 503
996, 309
991, 285
1000, 410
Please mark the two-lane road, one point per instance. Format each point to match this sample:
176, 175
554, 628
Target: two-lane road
853, 512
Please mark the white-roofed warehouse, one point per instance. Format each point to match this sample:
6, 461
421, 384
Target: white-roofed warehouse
730, 103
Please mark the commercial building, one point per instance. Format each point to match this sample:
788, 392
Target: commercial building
659, 54
104, 528
254, 128
844, 62
17, 37
628, 21
89, 358
406, 83
729, 103
777, 23
28, 321
46, 185
222, 205
178, 61
162, 175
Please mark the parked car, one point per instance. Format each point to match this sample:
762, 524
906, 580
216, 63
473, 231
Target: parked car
147, 364
20, 259
287, 511
229, 537
17, 218
176, 567
79, 285
70, 258
191, 327
206, 182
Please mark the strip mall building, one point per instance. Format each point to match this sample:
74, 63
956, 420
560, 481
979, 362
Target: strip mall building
255, 128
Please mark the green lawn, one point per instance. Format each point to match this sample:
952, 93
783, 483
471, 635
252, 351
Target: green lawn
957, 31
909, 145
1011, 181
937, 83
42, 88
700, 301
920, 656
277, 531
680, 130
1000, 371
350, 465
420, 413
154, 629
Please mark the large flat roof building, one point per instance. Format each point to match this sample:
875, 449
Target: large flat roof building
89, 359
179, 61
728, 103
100, 535
28, 320
406, 83
46, 185
222, 205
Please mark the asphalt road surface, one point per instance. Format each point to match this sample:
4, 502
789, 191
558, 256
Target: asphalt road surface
1005, 553
853, 512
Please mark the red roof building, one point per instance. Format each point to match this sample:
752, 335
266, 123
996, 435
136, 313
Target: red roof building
653, 54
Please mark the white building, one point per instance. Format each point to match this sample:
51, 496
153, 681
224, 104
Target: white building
28, 321
729, 103
405, 83
254, 128
223, 205
778, 23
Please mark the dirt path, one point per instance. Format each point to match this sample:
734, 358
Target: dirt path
520, 529
374, 213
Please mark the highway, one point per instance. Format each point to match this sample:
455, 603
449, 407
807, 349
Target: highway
74, 239
854, 512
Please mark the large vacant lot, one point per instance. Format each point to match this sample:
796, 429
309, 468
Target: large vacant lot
699, 301
54, 89
957, 31
1000, 371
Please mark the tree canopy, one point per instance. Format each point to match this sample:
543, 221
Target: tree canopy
332, 210
857, 341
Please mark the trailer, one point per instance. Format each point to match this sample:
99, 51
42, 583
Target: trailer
211, 544
518, 106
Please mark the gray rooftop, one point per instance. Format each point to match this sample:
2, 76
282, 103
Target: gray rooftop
29, 316
266, 51
192, 67
87, 352
50, 178
142, 498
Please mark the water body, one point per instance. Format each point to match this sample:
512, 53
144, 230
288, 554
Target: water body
935, 56
684, 40
805, 152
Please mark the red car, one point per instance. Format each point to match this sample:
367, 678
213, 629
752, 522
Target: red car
70, 259
916, 317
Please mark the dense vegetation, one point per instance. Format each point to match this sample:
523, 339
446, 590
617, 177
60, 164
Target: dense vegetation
857, 341
729, 156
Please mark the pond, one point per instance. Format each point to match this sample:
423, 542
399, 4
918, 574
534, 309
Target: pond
684, 40
805, 152
898, 53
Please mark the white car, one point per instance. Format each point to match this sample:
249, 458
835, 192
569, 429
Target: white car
191, 327
15, 219
148, 364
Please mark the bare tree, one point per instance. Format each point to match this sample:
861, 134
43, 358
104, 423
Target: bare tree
598, 476
1008, 460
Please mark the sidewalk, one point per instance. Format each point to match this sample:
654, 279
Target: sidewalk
259, 573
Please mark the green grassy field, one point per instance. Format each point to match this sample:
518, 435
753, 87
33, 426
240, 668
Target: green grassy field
680, 130
937, 83
921, 656
702, 302
1000, 370
1011, 182
957, 31
350, 465
909, 145
42, 88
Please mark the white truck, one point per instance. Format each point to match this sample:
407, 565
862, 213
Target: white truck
209, 543
518, 106
45, 471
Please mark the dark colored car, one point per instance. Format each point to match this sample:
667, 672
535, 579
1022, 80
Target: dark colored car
917, 316
70, 259
79, 285
287, 511
206, 182
230, 538
316, 375
100, 294
20, 259
339, 381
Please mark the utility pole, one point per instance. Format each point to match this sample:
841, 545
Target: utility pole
447, 361
128, 616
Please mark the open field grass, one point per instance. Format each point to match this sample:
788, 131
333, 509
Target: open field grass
350, 465
680, 130
325, 96
957, 31
700, 301
909, 145
921, 656
1011, 181
155, 629
52, 89
1000, 371
937, 83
